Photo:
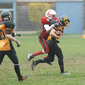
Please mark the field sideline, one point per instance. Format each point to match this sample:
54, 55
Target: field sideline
73, 48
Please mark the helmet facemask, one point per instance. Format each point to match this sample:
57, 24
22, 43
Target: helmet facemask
6, 15
7, 18
65, 21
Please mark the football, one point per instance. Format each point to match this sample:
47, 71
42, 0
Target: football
59, 33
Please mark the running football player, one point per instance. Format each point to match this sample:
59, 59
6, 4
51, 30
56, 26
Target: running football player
6, 46
55, 48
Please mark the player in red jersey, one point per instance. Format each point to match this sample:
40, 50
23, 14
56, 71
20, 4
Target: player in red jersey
46, 27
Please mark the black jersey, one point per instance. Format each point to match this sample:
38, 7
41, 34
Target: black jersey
58, 27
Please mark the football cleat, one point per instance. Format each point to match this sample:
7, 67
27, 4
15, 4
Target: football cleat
33, 65
50, 63
30, 56
23, 77
65, 73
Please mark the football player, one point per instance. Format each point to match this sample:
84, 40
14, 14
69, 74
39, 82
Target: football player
13, 34
46, 27
55, 48
6, 46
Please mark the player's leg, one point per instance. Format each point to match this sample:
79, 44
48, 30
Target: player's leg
60, 59
1, 56
59, 54
44, 44
12, 55
50, 63
45, 49
44, 60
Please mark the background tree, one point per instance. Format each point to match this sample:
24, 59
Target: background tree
36, 11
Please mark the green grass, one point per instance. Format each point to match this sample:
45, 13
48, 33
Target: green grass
73, 48
31, 34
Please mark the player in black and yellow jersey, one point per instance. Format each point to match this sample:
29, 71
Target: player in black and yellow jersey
55, 48
6, 47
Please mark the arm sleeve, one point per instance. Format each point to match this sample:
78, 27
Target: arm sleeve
9, 27
47, 27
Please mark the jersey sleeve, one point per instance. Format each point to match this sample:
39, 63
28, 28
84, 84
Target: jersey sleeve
0, 20
9, 27
56, 19
45, 20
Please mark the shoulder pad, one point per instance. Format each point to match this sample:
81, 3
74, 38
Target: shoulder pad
57, 24
9, 24
56, 19
45, 20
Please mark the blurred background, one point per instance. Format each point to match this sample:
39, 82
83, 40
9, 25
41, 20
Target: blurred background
26, 14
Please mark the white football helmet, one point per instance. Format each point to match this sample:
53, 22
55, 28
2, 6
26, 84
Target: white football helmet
50, 13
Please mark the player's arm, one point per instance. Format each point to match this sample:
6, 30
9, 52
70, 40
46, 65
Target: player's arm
16, 34
53, 24
54, 33
13, 39
45, 21
48, 28
9, 30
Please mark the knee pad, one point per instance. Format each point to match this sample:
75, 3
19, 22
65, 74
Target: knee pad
15, 62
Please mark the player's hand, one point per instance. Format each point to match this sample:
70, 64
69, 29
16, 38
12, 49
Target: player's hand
59, 34
18, 43
56, 24
18, 34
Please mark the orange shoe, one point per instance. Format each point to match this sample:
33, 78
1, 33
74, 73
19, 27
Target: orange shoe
23, 77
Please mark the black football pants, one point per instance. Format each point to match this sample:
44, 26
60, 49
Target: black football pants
11, 54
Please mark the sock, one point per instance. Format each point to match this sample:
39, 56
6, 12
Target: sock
37, 53
40, 61
17, 70
62, 68
46, 56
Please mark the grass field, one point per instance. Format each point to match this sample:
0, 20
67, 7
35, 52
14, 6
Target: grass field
73, 48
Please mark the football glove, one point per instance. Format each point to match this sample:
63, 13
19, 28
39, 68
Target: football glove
18, 34
56, 24
18, 43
